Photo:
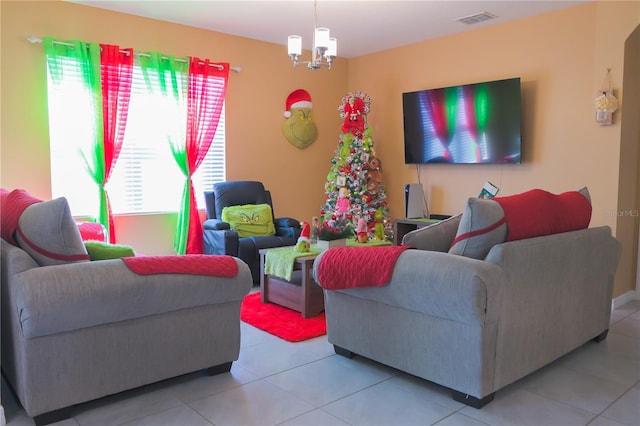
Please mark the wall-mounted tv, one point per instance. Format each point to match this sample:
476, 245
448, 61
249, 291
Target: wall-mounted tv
466, 124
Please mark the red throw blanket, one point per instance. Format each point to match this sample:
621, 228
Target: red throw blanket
536, 213
193, 264
12, 205
353, 267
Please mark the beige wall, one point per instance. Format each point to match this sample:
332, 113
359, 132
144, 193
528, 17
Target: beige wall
561, 58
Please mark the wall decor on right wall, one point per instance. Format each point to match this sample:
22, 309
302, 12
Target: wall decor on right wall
606, 103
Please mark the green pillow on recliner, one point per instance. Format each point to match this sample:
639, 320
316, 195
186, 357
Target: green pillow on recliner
251, 220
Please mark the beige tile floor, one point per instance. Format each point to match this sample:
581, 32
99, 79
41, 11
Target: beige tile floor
279, 383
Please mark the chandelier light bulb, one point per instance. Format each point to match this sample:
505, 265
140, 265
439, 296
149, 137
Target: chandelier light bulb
322, 38
295, 45
332, 50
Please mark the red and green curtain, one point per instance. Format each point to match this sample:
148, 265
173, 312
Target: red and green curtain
202, 84
207, 89
105, 71
194, 88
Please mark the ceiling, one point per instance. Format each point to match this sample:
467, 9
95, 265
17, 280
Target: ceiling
361, 26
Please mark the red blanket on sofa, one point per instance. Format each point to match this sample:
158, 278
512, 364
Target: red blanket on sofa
194, 264
352, 267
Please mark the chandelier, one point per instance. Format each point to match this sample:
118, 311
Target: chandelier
324, 47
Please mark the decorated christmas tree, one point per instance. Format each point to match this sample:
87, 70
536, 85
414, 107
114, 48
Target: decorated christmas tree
355, 194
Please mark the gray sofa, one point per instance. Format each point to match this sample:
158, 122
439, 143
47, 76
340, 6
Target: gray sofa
475, 325
79, 331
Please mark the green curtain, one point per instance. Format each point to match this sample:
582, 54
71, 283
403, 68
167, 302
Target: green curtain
170, 75
86, 57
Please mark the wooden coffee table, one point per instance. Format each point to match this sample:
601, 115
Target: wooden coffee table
301, 294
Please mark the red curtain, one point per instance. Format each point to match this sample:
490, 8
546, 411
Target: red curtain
207, 89
116, 70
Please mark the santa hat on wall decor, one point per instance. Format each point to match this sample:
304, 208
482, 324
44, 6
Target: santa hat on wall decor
299, 98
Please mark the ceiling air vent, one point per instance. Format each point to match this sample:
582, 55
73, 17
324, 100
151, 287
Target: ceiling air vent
478, 17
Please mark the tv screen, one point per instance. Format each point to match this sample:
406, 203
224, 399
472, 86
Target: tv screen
467, 124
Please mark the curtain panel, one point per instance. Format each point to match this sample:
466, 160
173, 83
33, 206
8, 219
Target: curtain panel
195, 90
116, 71
206, 94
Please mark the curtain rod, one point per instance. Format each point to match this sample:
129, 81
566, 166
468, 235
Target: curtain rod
34, 39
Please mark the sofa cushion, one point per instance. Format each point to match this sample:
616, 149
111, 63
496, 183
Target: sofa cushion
250, 220
99, 250
435, 237
533, 213
47, 231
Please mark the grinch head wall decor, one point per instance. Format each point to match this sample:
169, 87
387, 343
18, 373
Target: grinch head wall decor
299, 127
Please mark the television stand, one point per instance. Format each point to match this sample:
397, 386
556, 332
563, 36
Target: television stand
401, 227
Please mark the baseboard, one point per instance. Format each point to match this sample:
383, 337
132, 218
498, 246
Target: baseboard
624, 298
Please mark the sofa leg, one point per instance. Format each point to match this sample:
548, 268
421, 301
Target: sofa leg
219, 369
53, 416
600, 337
343, 352
472, 401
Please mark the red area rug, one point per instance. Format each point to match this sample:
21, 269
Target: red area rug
283, 322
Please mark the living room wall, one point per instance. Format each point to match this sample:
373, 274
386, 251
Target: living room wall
256, 148
561, 58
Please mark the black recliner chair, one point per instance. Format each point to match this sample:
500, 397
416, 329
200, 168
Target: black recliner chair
219, 238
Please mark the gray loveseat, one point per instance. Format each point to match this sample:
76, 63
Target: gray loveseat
77, 331
475, 325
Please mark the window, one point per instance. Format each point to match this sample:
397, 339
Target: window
146, 177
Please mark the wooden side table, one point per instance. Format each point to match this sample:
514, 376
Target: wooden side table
301, 294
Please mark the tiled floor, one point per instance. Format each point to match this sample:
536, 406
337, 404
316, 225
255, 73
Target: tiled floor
279, 383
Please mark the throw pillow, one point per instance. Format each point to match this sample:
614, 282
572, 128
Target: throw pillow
530, 214
435, 237
482, 225
99, 250
48, 232
250, 220
92, 231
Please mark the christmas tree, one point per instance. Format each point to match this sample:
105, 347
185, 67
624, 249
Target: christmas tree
354, 188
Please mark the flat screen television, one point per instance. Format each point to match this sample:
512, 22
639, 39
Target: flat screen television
466, 124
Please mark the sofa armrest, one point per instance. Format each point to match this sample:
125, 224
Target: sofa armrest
287, 227
221, 241
439, 284
54, 299
570, 273
286, 222
215, 224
